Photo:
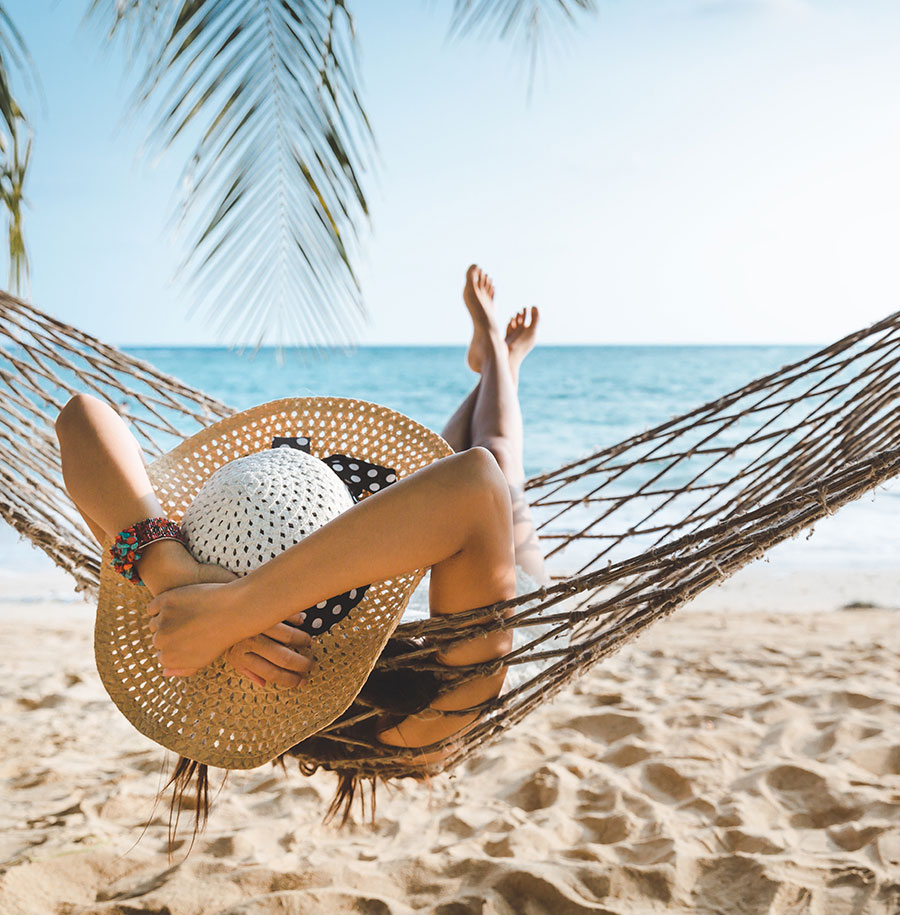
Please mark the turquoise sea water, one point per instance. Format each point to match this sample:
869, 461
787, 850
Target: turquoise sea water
575, 399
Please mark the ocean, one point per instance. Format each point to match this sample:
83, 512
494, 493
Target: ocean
575, 399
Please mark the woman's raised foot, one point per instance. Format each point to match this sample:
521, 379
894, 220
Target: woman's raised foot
521, 337
478, 294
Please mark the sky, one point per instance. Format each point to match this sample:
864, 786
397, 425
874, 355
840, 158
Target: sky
683, 171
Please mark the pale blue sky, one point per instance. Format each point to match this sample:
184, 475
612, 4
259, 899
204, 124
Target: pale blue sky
686, 171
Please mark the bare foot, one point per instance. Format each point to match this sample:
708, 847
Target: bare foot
520, 338
478, 295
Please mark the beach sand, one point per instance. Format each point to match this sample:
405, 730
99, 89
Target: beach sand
745, 761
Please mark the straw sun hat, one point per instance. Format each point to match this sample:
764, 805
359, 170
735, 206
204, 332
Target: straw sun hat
245, 489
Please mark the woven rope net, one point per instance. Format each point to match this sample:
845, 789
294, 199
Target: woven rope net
638, 528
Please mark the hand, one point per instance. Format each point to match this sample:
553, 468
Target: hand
193, 625
167, 564
279, 655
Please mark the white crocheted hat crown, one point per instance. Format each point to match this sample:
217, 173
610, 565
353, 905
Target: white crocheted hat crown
257, 506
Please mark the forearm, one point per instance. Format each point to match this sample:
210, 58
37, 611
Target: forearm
415, 523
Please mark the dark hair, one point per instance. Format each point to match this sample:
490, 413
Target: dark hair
394, 693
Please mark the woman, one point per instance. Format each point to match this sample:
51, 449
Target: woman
202, 611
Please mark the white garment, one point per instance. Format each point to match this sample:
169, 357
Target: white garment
517, 674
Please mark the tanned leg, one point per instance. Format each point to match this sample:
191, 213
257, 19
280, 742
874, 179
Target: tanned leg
520, 339
457, 431
496, 422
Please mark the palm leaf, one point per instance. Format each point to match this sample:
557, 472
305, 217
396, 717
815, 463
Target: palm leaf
12, 184
522, 21
272, 193
15, 63
14, 60
139, 23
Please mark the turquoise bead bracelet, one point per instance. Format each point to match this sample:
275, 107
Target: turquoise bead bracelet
129, 545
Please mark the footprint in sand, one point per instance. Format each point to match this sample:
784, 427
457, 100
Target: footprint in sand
608, 726
851, 838
745, 843
607, 698
666, 784
606, 830
880, 760
770, 711
847, 699
648, 852
835, 734
813, 803
466, 821
714, 889
527, 891
627, 755
603, 800
542, 788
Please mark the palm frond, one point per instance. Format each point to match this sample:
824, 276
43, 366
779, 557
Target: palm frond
140, 24
15, 62
12, 191
523, 21
15, 65
272, 193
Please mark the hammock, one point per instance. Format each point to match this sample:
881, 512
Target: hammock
644, 525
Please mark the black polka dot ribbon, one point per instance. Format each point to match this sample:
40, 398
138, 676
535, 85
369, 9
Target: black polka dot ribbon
361, 478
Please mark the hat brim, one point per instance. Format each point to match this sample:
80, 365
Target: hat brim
217, 716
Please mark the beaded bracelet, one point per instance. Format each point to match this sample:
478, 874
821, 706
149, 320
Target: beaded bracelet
129, 545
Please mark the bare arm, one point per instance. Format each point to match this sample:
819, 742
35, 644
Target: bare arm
445, 509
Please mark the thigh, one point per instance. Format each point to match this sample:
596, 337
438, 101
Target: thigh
481, 574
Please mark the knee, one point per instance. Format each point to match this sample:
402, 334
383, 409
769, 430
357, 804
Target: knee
504, 456
483, 471
76, 413
488, 489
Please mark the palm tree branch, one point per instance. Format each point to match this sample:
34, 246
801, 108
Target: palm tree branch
269, 90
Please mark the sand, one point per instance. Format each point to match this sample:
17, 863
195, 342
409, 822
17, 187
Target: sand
745, 761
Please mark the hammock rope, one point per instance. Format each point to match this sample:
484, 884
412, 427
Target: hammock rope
637, 528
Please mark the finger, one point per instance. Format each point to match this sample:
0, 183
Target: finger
152, 608
244, 672
298, 619
281, 656
264, 656
272, 673
289, 635
153, 625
